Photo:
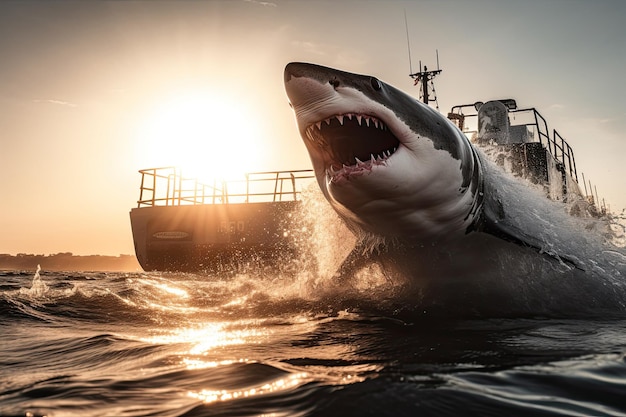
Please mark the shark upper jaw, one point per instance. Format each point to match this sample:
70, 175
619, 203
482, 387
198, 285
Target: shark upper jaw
350, 144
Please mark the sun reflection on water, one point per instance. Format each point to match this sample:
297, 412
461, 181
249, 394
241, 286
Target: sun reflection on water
203, 339
211, 335
281, 384
194, 364
218, 349
215, 336
179, 292
161, 296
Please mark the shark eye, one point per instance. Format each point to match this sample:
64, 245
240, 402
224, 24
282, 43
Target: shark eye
376, 84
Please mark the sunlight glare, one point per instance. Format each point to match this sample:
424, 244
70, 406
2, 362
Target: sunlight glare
208, 135
208, 336
169, 289
280, 384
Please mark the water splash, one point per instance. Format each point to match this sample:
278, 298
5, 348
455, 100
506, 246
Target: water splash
617, 225
38, 288
330, 240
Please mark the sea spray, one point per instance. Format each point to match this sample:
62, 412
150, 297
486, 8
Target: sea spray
38, 288
330, 240
617, 225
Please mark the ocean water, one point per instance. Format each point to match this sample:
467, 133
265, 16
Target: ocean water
157, 344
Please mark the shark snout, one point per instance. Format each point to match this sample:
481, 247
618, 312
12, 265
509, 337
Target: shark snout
306, 89
312, 71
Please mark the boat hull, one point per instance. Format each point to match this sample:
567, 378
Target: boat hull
214, 237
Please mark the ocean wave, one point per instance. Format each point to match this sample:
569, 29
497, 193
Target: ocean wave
178, 345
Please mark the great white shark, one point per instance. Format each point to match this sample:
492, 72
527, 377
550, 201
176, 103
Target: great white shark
427, 206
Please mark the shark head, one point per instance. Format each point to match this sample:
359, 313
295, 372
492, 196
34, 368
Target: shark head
388, 164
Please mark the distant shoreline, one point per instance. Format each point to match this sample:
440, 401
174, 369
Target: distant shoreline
70, 262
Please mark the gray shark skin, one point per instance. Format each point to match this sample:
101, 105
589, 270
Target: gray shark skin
426, 205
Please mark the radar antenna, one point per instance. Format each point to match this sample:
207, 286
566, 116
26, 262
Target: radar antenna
423, 77
425, 80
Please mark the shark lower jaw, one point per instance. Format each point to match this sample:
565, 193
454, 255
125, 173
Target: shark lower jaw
351, 144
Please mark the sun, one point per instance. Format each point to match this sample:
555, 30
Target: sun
206, 134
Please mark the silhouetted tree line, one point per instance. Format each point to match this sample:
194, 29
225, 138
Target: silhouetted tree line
66, 261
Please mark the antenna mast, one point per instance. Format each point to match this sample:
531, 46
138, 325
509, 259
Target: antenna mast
408, 44
423, 78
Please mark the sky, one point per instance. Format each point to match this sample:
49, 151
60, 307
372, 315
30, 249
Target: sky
93, 91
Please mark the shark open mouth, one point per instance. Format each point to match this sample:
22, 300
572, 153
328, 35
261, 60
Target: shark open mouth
353, 142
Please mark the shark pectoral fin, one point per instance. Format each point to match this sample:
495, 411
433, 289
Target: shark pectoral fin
502, 230
494, 222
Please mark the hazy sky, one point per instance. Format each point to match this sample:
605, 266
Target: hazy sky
91, 92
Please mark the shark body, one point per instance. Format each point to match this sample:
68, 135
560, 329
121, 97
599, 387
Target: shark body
423, 202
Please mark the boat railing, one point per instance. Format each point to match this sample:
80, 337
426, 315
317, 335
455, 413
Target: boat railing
536, 126
167, 186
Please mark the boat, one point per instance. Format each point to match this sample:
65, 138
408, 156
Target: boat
520, 141
181, 224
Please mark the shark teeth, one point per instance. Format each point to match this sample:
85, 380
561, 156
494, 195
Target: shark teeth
313, 131
370, 121
352, 143
335, 171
